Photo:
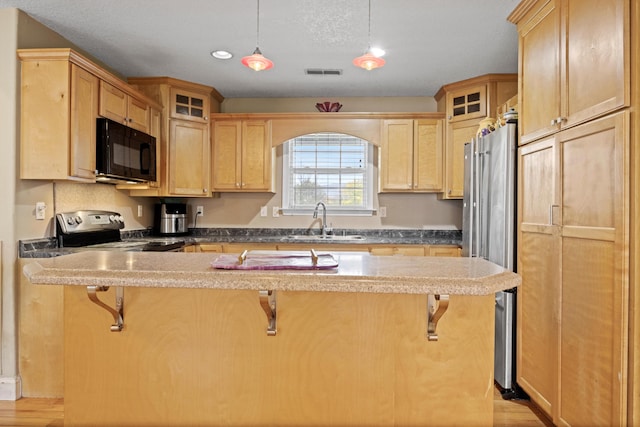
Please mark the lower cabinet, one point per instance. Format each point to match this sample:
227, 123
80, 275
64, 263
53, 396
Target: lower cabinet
573, 301
398, 250
412, 250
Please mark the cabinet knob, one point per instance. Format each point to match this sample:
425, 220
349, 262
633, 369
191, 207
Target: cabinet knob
449, 192
204, 190
237, 185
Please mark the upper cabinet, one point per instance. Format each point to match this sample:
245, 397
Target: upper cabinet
117, 105
411, 155
187, 105
574, 62
465, 104
61, 96
241, 158
185, 168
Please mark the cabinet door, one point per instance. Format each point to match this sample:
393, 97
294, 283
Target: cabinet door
188, 158
84, 111
428, 136
597, 58
113, 103
540, 71
155, 130
441, 250
468, 103
459, 134
191, 106
396, 155
595, 271
138, 114
226, 158
256, 156
539, 294
398, 250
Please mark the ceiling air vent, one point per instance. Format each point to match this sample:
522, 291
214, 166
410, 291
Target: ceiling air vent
322, 72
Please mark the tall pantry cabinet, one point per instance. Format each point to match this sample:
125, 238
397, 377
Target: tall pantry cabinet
577, 233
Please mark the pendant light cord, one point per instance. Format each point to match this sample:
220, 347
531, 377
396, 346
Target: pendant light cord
369, 34
258, 25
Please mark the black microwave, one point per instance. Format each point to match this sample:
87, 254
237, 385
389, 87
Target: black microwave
124, 154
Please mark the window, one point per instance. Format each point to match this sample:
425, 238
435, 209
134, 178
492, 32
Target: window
333, 168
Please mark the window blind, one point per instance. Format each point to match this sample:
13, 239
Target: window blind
330, 167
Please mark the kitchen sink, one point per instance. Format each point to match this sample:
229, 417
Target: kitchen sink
329, 237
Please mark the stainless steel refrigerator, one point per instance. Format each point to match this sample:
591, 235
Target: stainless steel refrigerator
488, 229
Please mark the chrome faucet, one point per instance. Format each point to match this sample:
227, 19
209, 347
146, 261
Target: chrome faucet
324, 217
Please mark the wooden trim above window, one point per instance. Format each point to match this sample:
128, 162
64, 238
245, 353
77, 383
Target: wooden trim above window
286, 126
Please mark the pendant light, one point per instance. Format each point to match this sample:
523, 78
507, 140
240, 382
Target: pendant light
256, 61
369, 60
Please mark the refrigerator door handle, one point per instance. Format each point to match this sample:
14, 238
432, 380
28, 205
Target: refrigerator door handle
475, 239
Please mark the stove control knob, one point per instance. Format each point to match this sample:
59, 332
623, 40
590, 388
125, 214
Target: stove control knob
78, 220
71, 221
112, 218
119, 219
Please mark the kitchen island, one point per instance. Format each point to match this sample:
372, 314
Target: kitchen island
353, 345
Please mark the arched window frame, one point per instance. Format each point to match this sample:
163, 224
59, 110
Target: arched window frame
331, 163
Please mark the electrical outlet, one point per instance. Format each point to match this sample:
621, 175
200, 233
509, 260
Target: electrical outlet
199, 210
263, 211
276, 212
139, 211
41, 209
382, 211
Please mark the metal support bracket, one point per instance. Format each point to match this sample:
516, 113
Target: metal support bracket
268, 303
117, 313
436, 306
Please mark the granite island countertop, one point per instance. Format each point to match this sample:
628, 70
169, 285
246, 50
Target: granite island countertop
356, 272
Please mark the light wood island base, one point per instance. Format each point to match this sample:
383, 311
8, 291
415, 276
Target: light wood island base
351, 348
202, 357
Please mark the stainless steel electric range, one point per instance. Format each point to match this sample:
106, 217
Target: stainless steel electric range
100, 230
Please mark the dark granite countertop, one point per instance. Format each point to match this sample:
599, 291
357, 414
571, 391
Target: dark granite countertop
48, 247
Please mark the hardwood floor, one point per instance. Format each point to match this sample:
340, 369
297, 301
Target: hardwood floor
32, 412
517, 413
50, 412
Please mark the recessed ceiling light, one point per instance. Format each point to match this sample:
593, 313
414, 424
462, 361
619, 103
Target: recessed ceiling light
222, 54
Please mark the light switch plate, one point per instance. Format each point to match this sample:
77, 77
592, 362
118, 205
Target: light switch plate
263, 211
382, 211
276, 211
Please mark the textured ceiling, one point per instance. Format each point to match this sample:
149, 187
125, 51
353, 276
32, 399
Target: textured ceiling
429, 43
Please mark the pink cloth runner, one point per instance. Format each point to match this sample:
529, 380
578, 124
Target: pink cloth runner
274, 262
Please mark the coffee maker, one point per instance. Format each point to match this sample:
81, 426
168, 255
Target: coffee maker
170, 219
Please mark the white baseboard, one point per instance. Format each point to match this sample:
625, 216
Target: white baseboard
10, 388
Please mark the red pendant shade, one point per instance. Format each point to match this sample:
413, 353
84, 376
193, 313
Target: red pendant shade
368, 61
257, 62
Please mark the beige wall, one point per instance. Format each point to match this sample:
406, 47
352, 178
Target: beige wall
423, 211
421, 104
8, 134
